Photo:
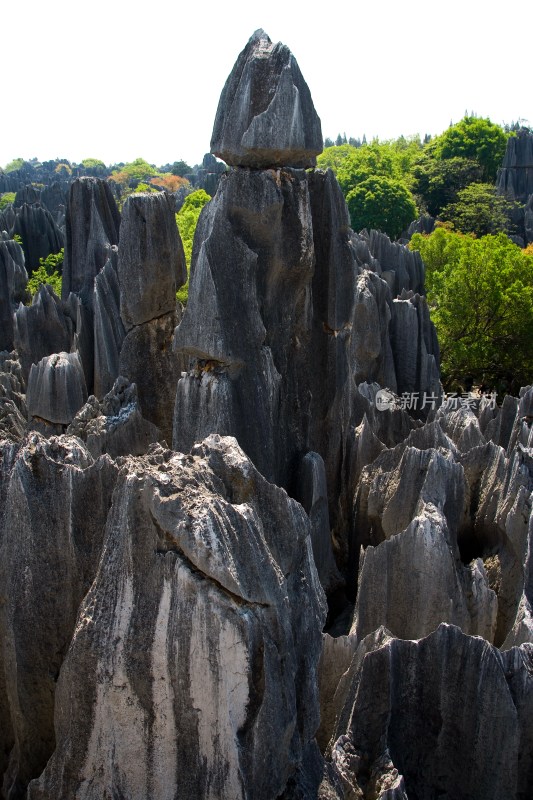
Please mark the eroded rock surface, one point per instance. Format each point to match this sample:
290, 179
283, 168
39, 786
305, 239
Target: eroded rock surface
419, 719
198, 640
266, 116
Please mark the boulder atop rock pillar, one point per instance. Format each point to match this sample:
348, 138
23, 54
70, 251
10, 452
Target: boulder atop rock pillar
266, 117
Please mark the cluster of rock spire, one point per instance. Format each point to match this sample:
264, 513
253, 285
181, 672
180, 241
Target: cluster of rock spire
188, 498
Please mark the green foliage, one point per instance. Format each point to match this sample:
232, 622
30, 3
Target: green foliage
186, 220
381, 203
479, 210
180, 168
353, 164
480, 292
473, 138
375, 179
145, 188
436, 182
6, 198
93, 163
49, 272
133, 173
17, 238
94, 167
17, 163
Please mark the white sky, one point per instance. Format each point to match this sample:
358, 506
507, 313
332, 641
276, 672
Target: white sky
116, 80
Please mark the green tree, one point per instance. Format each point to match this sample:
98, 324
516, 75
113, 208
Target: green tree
181, 168
381, 203
49, 272
133, 173
17, 163
480, 210
6, 198
436, 182
480, 292
186, 220
95, 167
473, 138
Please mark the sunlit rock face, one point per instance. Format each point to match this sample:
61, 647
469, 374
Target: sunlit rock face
198, 640
266, 116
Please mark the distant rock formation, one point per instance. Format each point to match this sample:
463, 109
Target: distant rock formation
515, 179
208, 175
109, 331
266, 116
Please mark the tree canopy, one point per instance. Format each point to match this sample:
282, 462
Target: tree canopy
474, 138
381, 203
480, 292
478, 209
17, 163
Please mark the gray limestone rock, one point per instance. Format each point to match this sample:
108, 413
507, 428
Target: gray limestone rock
151, 261
12, 421
7, 220
13, 280
265, 116
401, 268
313, 495
54, 198
416, 351
109, 329
27, 194
335, 659
198, 640
146, 359
56, 388
92, 226
47, 326
515, 178
53, 510
115, 425
443, 716
39, 233
13, 411
528, 219
413, 581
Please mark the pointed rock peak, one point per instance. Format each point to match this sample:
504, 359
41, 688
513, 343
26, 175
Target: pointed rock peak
265, 115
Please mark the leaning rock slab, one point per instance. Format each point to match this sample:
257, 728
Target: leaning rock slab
265, 116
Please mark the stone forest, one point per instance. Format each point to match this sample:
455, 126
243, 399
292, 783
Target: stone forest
233, 565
